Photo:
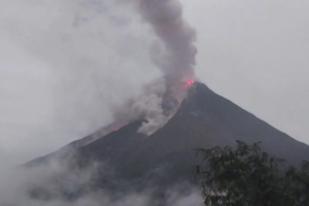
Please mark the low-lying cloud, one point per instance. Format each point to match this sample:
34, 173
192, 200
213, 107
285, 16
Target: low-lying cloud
52, 184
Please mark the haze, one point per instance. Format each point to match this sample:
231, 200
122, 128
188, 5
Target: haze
64, 64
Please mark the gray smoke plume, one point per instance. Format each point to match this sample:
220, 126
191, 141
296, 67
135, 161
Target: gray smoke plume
174, 55
166, 19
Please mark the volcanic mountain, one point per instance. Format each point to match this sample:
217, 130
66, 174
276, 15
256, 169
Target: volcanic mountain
167, 157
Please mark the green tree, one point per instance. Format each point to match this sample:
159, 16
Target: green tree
247, 176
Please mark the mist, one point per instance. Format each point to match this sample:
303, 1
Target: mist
62, 93
67, 68
65, 65
52, 182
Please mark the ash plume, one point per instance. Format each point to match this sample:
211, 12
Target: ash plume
166, 19
174, 55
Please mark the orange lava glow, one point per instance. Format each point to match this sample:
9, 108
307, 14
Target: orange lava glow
189, 83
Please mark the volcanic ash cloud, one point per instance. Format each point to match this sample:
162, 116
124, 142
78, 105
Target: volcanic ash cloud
174, 55
178, 38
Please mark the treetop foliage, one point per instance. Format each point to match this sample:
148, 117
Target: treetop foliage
247, 176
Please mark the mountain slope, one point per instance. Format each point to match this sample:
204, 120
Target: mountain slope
167, 157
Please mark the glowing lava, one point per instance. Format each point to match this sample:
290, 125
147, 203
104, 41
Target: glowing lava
189, 83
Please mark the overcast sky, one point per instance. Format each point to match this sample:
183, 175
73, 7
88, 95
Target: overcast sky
65, 64
256, 53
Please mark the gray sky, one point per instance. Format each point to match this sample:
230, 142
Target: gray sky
256, 53
65, 64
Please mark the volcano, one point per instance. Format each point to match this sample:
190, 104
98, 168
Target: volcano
167, 157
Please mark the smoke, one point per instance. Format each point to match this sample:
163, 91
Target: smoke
153, 106
105, 44
66, 64
166, 19
174, 55
177, 63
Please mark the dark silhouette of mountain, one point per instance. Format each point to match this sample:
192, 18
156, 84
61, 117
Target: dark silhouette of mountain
167, 157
